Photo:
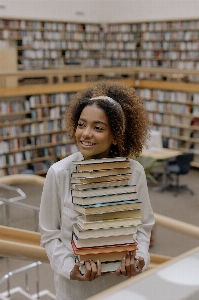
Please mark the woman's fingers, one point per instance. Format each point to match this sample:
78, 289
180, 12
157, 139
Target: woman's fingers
140, 263
93, 270
131, 265
75, 273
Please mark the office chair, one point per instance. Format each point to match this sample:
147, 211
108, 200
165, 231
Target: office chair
181, 166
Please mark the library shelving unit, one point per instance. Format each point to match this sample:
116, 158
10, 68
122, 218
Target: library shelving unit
44, 44
47, 44
32, 126
174, 110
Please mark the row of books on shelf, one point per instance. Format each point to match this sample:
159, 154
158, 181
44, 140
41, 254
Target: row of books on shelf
36, 41
108, 62
7, 107
167, 54
53, 26
54, 112
14, 144
179, 35
109, 212
187, 65
119, 35
155, 26
172, 120
161, 95
39, 35
31, 128
20, 157
71, 26
172, 77
58, 54
40, 54
33, 168
175, 143
43, 99
175, 131
167, 107
36, 44
87, 62
73, 54
170, 45
17, 104
29, 64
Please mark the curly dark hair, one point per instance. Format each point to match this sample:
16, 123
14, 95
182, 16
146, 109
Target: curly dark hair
130, 141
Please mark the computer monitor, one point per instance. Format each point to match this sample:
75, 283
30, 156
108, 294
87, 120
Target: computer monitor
155, 141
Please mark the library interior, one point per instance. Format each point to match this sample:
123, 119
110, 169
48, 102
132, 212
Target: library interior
49, 52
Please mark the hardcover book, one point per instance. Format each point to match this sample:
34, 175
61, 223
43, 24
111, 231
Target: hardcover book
107, 207
100, 173
105, 232
102, 257
104, 191
101, 164
102, 241
104, 249
107, 223
114, 215
102, 178
104, 199
111, 266
102, 184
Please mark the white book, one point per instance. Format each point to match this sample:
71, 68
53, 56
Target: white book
107, 223
116, 190
103, 241
104, 232
100, 160
105, 267
104, 199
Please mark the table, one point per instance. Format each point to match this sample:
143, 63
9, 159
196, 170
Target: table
177, 279
161, 155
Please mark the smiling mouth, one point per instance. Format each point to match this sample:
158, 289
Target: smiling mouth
86, 143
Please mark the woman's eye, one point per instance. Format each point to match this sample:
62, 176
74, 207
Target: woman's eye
99, 128
80, 124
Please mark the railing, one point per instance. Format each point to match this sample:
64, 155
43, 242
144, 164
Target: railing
80, 74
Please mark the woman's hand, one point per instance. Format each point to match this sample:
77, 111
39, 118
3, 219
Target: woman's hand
93, 270
131, 265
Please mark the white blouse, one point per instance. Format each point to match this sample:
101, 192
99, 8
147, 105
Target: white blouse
57, 215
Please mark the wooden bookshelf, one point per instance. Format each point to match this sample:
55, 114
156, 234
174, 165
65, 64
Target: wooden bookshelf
173, 108
44, 44
32, 126
31, 120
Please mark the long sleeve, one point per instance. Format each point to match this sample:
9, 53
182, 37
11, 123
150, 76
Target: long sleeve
147, 216
59, 253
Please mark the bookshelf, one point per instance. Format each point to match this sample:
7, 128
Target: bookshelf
31, 130
49, 44
174, 110
31, 121
32, 126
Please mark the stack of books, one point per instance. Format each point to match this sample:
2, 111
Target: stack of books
110, 211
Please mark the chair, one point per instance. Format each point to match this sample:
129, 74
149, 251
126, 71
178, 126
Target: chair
181, 166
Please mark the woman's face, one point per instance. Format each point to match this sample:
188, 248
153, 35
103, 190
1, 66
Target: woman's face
93, 134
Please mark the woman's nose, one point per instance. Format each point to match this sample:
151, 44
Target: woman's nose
87, 132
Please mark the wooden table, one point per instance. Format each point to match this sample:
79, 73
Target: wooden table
161, 155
